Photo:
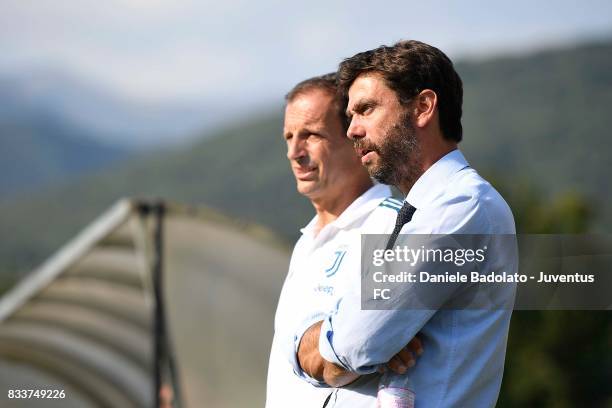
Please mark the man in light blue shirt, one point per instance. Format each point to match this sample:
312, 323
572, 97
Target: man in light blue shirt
405, 103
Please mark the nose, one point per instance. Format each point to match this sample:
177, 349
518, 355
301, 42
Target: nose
295, 149
355, 130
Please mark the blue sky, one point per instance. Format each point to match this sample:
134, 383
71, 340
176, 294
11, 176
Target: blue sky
253, 51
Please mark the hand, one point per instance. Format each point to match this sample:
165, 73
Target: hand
405, 358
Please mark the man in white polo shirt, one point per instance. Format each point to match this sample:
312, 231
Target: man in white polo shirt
326, 259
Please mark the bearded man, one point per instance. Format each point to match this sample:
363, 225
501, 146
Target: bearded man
404, 102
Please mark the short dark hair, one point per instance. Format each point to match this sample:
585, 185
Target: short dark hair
327, 83
408, 68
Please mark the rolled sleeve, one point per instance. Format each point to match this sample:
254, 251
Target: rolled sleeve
326, 349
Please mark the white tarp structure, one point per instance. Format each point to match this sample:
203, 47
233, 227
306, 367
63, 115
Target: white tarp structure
148, 294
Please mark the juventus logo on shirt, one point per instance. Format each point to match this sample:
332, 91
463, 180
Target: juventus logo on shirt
339, 256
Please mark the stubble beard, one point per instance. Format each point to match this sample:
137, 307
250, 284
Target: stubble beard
399, 155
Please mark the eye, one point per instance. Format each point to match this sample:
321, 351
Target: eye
367, 109
364, 108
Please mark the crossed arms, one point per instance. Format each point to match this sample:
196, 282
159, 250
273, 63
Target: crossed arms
313, 364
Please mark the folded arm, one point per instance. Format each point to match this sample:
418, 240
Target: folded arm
334, 375
316, 366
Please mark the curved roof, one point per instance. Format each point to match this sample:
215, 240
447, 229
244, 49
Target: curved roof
84, 321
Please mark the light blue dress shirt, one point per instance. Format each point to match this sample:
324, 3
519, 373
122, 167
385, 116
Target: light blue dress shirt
464, 349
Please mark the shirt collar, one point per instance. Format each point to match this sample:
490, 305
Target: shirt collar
435, 178
362, 205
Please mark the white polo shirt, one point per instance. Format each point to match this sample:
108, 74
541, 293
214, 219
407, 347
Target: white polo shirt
322, 268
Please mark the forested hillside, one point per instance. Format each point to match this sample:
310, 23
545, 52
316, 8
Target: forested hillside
538, 125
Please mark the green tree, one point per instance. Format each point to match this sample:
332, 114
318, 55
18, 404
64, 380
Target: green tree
555, 358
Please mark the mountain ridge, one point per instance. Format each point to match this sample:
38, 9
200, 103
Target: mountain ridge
539, 121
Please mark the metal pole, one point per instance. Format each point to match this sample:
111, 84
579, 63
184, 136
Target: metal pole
164, 360
158, 326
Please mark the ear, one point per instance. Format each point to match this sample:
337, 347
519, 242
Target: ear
425, 104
